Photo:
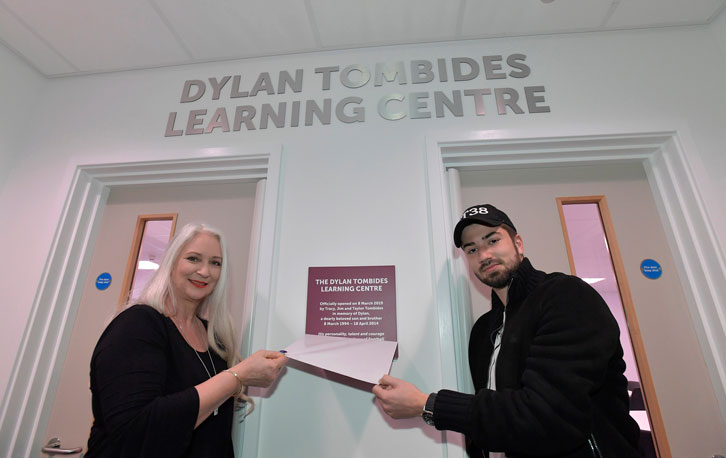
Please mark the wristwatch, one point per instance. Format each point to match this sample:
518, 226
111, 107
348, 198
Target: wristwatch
428, 410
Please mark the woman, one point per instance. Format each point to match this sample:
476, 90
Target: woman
160, 381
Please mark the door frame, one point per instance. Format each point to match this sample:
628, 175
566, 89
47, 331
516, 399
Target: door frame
36, 373
690, 234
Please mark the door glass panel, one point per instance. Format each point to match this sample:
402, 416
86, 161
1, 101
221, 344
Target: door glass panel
153, 243
590, 254
151, 237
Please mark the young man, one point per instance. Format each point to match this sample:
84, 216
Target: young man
546, 360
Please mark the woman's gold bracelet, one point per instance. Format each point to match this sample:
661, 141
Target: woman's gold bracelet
239, 381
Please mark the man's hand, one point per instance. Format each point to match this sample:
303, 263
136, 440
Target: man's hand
398, 398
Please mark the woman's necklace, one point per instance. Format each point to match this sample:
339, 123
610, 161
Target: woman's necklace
216, 411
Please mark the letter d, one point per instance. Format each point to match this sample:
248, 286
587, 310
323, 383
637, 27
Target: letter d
186, 92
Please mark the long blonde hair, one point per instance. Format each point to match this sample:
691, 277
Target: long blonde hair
158, 293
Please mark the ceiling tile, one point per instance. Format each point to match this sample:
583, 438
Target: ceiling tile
61, 37
636, 13
24, 42
483, 18
371, 22
97, 35
227, 29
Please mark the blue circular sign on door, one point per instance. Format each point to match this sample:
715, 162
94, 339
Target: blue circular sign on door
651, 269
103, 281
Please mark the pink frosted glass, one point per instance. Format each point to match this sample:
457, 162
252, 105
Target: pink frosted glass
154, 241
591, 255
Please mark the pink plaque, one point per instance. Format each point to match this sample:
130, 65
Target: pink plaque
358, 301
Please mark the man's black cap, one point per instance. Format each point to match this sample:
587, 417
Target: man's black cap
486, 214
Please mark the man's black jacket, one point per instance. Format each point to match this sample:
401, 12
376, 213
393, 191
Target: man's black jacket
559, 375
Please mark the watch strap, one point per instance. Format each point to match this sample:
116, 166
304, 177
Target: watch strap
428, 410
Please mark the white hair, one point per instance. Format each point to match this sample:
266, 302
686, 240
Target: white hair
159, 294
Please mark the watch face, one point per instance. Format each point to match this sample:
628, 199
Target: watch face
428, 411
428, 418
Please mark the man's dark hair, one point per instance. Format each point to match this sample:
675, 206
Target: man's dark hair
512, 233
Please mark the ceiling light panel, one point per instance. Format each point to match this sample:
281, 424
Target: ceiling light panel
364, 23
643, 13
486, 18
230, 29
100, 35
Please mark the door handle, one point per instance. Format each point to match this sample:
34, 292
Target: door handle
53, 447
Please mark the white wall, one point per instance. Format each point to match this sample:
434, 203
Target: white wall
19, 89
718, 30
354, 194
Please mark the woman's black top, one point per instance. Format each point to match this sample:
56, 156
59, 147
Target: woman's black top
144, 402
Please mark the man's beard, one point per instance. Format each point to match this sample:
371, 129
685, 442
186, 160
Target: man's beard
502, 277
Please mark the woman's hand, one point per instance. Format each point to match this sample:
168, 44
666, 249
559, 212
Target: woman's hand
261, 368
